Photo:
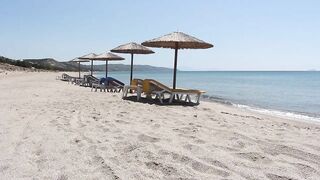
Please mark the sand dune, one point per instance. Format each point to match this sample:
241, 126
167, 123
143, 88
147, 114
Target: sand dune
50, 129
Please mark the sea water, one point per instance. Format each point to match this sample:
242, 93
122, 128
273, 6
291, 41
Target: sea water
295, 94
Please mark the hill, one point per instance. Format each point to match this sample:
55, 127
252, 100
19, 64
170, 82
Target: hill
124, 67
52, 64
72, 66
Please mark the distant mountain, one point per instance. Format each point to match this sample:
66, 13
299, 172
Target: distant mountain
72, 66
52, 64
124, 67
15, 65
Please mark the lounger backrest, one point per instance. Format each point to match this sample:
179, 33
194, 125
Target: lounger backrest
114, 82
102, 80
137, 82
153, 85
65, 77
150, 85
146, 87
93, 78
118, 82
160, 85
85, 77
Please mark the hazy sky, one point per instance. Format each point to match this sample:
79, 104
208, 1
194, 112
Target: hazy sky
247, 34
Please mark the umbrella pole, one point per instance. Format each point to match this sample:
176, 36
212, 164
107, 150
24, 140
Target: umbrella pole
131, 68
106, 69
91, 66
79, 70
175, 66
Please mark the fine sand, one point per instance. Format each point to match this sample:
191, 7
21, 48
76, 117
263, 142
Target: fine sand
50, 129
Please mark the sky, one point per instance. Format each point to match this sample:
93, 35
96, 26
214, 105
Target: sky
246, 34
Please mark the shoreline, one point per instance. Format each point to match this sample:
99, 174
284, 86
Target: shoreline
264, 111
55, 130
281, 114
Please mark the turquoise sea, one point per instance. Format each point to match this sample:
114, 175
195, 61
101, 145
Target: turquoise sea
282, 93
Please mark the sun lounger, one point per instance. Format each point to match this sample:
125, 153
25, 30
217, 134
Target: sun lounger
75, 80
88, 80
153, 87
134, 88
116, 84
58, 77
79, 81
110, 84
102, 85
66, 77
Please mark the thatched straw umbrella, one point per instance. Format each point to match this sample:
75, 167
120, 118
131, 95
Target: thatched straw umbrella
132, 48
107, 57
89, 57
77, 60
177, 40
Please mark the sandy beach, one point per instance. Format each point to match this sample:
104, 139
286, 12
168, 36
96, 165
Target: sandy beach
50, 129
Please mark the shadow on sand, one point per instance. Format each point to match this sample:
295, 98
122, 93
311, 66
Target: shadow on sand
157, 102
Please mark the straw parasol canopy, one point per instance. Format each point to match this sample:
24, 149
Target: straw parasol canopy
107, 56
132, 48
89, 57
77, 60
177, 40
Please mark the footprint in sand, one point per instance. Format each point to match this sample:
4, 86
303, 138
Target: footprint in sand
200, 167
317, 148
306, 170
122, 122
3, 168
156, 126
194, 164
105, 129
238, 144
77, 141
119, 137
42, 162
38, 152
193, 148
206, 109
215, 163
62, 177
165, 169
120, 115
277, 177
292, 152
199, 141
213, 119
254, 157
146, 138
186, 130
101, 164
